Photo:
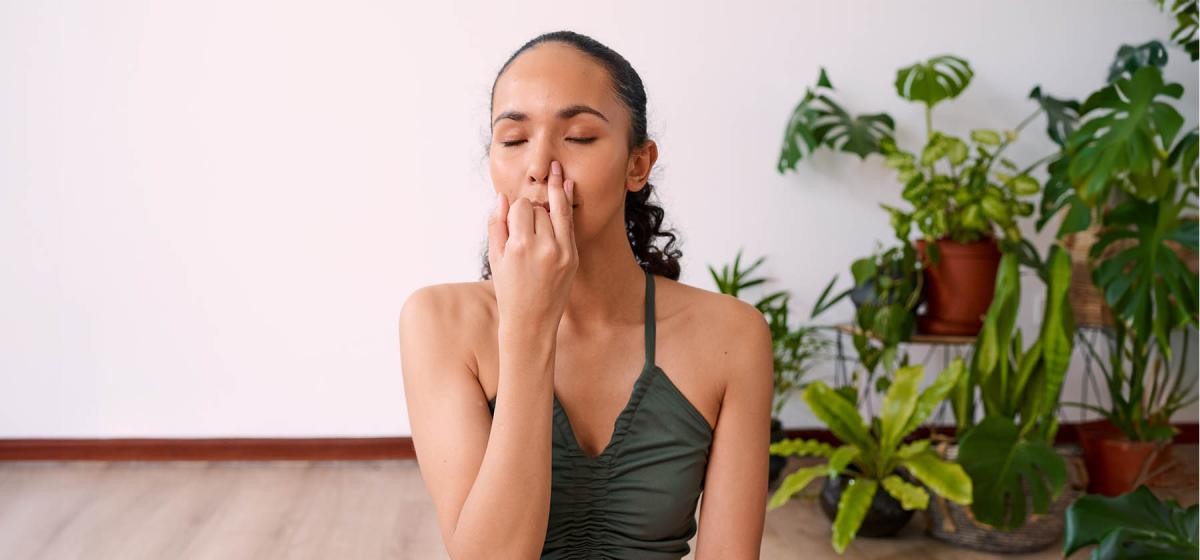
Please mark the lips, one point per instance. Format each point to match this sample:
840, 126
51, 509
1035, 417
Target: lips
546, 205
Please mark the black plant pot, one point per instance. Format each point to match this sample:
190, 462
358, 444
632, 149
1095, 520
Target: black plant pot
777, 462
884, 518
864, 294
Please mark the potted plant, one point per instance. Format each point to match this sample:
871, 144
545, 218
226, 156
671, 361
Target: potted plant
875, 456
965, 201
796, 349
887, 290
1133, 525
1017, 475
963, 196
1126, 172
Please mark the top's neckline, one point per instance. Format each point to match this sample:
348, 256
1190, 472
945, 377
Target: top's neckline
639, 384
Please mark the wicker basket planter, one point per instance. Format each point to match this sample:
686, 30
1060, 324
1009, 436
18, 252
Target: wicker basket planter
956, 525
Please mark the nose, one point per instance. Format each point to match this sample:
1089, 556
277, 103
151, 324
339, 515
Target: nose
541, 152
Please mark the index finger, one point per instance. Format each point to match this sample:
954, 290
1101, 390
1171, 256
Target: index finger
561, 212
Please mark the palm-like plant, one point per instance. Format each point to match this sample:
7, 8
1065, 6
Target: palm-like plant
877, 452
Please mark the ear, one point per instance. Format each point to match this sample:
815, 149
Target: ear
641, 161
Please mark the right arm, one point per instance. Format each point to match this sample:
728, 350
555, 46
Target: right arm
489, 478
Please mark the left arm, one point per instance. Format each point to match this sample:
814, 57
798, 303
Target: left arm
733, 504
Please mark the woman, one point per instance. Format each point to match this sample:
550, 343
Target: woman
543, 415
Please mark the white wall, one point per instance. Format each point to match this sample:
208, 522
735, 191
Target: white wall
211, 213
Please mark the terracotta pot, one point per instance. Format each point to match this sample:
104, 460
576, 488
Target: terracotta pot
958, 289
1113, 460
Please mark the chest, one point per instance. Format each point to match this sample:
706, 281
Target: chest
594, 377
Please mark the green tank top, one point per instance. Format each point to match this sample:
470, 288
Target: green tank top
638, 498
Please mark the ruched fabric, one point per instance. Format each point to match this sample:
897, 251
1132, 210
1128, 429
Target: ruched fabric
637, 499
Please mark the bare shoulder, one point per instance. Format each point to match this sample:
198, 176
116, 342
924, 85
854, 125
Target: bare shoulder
454, 313
730, 334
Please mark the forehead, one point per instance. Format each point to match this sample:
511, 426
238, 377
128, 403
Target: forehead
545, 78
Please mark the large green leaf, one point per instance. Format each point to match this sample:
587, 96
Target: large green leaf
933, 395
1130, 58
1133, 525
930, 82
818, 121
1057, 338
794, 483
909, 495
1127, 131
1059, 193
991, 362
998, 461
840, 415
801, 448
1183, 157
898, 406
946, 479
1061, 115
1147, 284
840, 458
852, 509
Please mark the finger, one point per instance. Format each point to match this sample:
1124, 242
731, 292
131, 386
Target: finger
542, 225
520, 219
498, 228
560, 207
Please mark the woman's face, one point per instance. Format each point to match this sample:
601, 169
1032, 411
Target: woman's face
556, 103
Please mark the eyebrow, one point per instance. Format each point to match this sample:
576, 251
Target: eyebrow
564, 113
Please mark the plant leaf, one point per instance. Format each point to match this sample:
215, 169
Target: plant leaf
794, 483
852, 509
943, 477
998, 461
930, 82
1136, 521
910, 496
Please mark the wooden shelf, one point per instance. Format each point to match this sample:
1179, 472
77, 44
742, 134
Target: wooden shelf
917, 338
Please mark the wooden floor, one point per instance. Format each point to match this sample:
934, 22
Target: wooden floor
329, 510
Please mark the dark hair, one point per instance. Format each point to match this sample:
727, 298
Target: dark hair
643, 219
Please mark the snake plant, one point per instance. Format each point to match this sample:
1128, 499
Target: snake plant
1010, 449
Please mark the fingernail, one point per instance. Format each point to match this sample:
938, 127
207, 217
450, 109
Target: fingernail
570, 187
555, 168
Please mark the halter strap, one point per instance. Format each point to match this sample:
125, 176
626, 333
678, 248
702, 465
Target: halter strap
649, 318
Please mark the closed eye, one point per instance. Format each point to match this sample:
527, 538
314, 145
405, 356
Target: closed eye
576, 140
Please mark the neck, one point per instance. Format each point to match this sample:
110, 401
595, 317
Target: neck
607, 292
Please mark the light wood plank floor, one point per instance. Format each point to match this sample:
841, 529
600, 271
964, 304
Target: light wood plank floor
334, 510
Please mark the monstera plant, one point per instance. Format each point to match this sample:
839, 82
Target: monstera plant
1128, 172
818, 121
1133, 525
875, 456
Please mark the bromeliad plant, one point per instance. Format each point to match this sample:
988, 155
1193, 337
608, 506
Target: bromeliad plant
1011, 448
876, 452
